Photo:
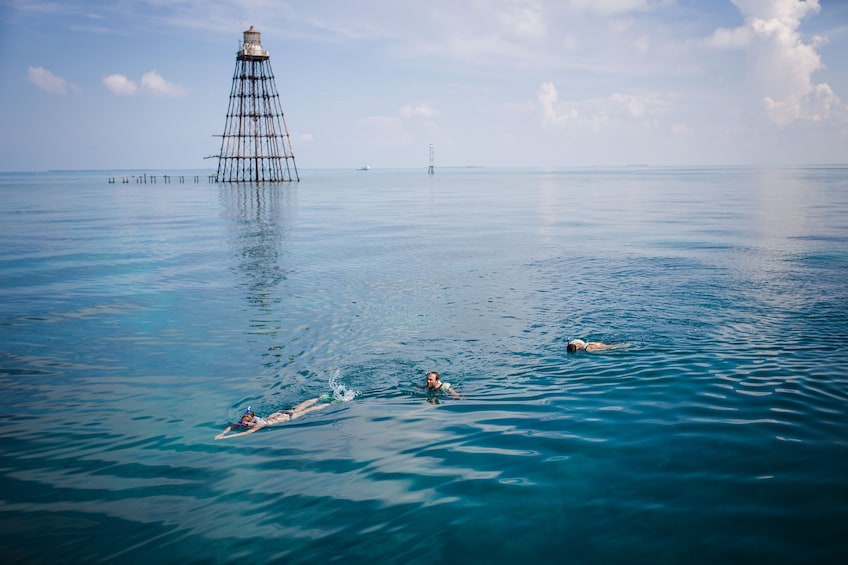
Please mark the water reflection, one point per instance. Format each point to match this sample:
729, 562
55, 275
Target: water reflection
260, 216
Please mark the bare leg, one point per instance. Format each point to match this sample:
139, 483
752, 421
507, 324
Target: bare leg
598, 346
309, 408
305, 404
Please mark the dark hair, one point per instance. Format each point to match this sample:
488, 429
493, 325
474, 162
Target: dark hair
571, 348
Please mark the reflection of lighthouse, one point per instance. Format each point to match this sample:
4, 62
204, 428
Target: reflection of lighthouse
260, 217
256, 145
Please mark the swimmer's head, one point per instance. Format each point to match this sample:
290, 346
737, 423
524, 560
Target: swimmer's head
575, 345
432, 379
247, 416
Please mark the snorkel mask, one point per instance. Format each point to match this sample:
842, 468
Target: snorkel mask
241, 422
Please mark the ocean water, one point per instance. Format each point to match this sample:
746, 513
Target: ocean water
137, 320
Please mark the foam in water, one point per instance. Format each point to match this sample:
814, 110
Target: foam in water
340, 391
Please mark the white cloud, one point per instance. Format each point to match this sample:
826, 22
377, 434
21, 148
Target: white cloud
599, 113
418, 110
47, 81
158, 86
782, 63
401, 129
120, 85
552, 112
522, 19
152, 83
614, 7
736, 38
790, 12
680, 129
404, 114
817, 105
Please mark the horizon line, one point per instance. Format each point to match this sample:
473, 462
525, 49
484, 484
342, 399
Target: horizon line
425, 167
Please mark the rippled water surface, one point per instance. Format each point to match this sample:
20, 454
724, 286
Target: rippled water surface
137, 320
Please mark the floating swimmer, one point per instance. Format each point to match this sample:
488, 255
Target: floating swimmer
435, 384
580, 345
250, 423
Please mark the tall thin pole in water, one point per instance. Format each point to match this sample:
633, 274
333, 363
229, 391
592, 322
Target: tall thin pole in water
432, 169
256, 145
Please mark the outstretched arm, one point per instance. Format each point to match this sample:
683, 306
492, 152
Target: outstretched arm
223, 434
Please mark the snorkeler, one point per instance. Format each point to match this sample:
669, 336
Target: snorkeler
435, 384
580, 345
250, 423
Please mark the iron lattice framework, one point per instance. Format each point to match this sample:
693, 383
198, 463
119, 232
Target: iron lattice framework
256, 146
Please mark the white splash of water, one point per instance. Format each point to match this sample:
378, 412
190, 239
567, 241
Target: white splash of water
340, 391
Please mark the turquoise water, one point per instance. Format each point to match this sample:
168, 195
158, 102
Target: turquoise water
136, 320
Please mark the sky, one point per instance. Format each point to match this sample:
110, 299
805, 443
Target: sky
129, 84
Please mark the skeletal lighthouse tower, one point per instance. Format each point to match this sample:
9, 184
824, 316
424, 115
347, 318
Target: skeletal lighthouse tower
256, 145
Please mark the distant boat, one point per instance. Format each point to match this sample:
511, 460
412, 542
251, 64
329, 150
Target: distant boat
365, 168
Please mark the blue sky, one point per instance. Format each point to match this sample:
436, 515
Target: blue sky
91, 84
